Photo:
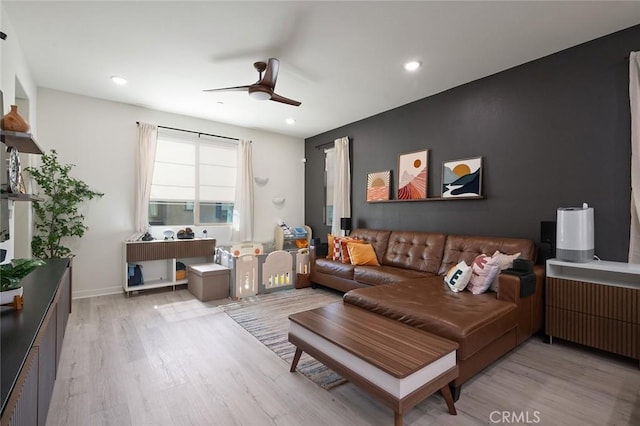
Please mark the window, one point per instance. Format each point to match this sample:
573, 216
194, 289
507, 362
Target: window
194, 180
329, 182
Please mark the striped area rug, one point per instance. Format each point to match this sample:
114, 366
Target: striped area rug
266, 317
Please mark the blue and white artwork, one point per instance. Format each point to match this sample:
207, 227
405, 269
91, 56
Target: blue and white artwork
462, 178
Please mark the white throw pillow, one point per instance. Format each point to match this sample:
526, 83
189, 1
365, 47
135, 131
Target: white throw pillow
458, 277
484, 271
505, 261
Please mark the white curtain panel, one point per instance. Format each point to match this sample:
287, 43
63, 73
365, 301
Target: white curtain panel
243, 204
342, 188
634, 96
146, 156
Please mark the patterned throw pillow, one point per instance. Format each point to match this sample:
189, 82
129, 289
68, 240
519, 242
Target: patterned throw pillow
485, 269
336, 251
344, 252
505, 261
458, 277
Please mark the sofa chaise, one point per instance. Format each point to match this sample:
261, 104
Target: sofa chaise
408, 286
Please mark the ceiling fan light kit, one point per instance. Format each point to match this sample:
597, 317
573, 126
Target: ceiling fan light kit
260, 93
263, 89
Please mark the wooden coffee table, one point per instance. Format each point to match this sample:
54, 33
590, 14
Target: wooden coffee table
398, 364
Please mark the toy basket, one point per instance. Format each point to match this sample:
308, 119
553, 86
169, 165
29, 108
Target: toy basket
303, 280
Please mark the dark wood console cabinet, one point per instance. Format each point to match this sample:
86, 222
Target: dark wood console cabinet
31, 343
595, 304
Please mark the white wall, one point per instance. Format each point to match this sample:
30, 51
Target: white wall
13, 66
100, 138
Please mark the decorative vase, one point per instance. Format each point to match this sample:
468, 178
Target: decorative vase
14, 122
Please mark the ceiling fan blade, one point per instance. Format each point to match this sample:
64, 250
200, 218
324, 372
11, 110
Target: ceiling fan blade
271, 74
229, 89
282, 99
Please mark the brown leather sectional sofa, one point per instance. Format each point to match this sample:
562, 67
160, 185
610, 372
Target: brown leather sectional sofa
408, 286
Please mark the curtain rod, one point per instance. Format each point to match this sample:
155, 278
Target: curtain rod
323, 145
197, 133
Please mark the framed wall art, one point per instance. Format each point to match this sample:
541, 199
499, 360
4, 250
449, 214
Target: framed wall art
379, 186
412, 175
462, 178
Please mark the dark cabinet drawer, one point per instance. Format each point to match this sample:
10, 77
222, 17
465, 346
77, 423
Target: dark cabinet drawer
613, 302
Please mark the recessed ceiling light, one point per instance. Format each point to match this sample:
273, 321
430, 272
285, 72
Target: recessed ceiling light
412, 65
290, 121
120, 81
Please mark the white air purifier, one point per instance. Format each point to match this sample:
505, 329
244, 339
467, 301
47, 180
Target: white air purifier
574, 239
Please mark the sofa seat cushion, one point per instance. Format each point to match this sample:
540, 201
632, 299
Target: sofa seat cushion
376, 275
337, 268
473, 321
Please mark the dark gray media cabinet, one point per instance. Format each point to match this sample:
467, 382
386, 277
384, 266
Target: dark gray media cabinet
31, 341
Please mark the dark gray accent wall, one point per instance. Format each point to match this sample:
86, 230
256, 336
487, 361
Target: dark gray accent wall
553, 133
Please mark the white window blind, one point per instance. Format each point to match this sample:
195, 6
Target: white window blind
218, 166
174, 173
193, 180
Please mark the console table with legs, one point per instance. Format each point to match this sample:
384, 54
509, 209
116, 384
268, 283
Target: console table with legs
596, 304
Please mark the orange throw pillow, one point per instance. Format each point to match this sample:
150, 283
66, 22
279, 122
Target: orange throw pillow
362, 254
330, 251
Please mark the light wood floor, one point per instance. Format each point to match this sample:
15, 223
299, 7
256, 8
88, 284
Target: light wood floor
167, 359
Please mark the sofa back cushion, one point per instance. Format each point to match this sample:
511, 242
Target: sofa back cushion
377, 238
418, 251
466, 248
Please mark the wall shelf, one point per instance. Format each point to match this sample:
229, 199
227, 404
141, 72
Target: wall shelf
23, 142
20, 197
477, 197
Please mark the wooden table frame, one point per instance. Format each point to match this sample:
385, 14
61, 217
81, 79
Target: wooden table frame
397, 364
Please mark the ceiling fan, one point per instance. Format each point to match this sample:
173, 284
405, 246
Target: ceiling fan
264, 88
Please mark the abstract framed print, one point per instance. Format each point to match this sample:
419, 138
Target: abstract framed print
378, 186
412, 175
462, 178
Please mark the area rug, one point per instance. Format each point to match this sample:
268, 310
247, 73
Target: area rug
266, 317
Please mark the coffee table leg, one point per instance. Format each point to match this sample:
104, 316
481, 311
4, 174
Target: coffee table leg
296, 358
446, 394
397, 419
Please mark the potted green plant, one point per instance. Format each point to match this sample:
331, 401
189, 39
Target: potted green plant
57, 215
11, 275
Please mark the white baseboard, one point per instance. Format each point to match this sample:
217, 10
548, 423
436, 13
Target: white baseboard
83, 294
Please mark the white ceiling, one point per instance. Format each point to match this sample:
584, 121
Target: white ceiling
342, 60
